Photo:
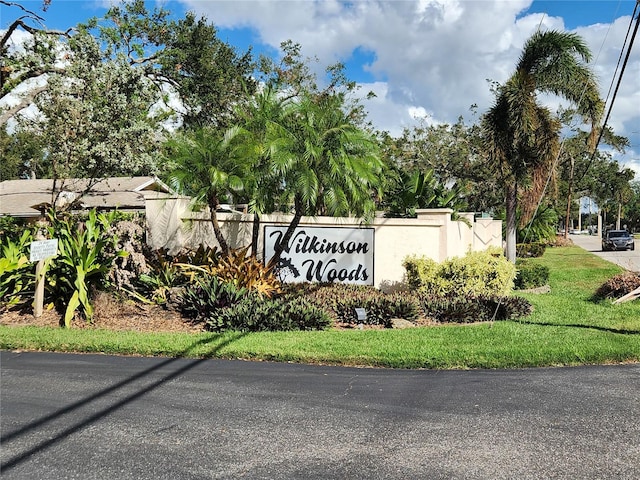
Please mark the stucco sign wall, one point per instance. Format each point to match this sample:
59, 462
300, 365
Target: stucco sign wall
324, 254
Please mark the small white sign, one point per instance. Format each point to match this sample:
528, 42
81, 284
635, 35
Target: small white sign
43, 249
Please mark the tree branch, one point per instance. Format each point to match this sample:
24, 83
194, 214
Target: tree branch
139, 61
32, 30
28, 12
26, 76
24, 103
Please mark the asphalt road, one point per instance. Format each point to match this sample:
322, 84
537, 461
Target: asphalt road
104, 417
627, 259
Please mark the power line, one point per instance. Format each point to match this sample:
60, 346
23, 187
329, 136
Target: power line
615, 93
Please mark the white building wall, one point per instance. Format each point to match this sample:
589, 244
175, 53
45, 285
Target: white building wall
172, 225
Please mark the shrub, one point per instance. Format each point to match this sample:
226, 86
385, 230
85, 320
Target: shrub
455, 309
263, 314
530, 250
12, 228
86, 250
165, 274
223, 306
618, 286
477, 273
201, 299
530, 275
16, 273
420, 271
507, 308
238, 268
404, 305
469, 309
246, 271
341, 300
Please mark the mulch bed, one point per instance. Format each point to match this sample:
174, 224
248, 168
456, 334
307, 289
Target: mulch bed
114, 314
110, 314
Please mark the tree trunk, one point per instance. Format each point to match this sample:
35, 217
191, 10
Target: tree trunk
619, 215
217, 232
568, 215
511, 204
255, 234
284, 241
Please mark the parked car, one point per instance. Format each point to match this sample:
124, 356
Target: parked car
618, 240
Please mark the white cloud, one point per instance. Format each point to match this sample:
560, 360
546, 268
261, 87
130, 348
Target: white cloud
434, 54
430, 58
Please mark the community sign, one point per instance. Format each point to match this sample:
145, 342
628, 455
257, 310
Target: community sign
323, 254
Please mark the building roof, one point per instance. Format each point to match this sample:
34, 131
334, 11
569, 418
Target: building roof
25, 198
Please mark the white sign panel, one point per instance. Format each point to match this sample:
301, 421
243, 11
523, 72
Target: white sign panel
43, 249
323, 254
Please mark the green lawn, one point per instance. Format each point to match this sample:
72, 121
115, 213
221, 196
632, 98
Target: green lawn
566, 328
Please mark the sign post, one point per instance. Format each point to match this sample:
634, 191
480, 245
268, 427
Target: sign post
40, 251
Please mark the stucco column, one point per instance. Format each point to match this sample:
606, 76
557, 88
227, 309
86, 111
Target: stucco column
442, 216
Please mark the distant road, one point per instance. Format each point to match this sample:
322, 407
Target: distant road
628, 259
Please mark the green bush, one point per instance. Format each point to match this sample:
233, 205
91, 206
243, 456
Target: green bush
420, 271
12, 228
256, 313
477, 273
222, 306
530, 275
469, 309
530, 250
341, 300
202, 299
404, 305
16, 272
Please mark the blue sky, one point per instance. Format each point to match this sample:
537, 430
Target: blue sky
427, 60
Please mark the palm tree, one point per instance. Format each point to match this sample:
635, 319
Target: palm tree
210, 167
261, 120
522, 136
328, 165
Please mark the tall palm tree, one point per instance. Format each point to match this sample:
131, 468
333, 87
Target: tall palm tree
262, 121
328, 164
521, 135
210, 167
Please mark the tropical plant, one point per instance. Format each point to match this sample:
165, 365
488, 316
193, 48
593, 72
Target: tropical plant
262, 121
82, 263
541, 228
15, 272
246, 271
239, 268
202, 299
209, 167
471, 308
263, 314
328, 165
522, 136
453, 152
310, 155
420, 189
